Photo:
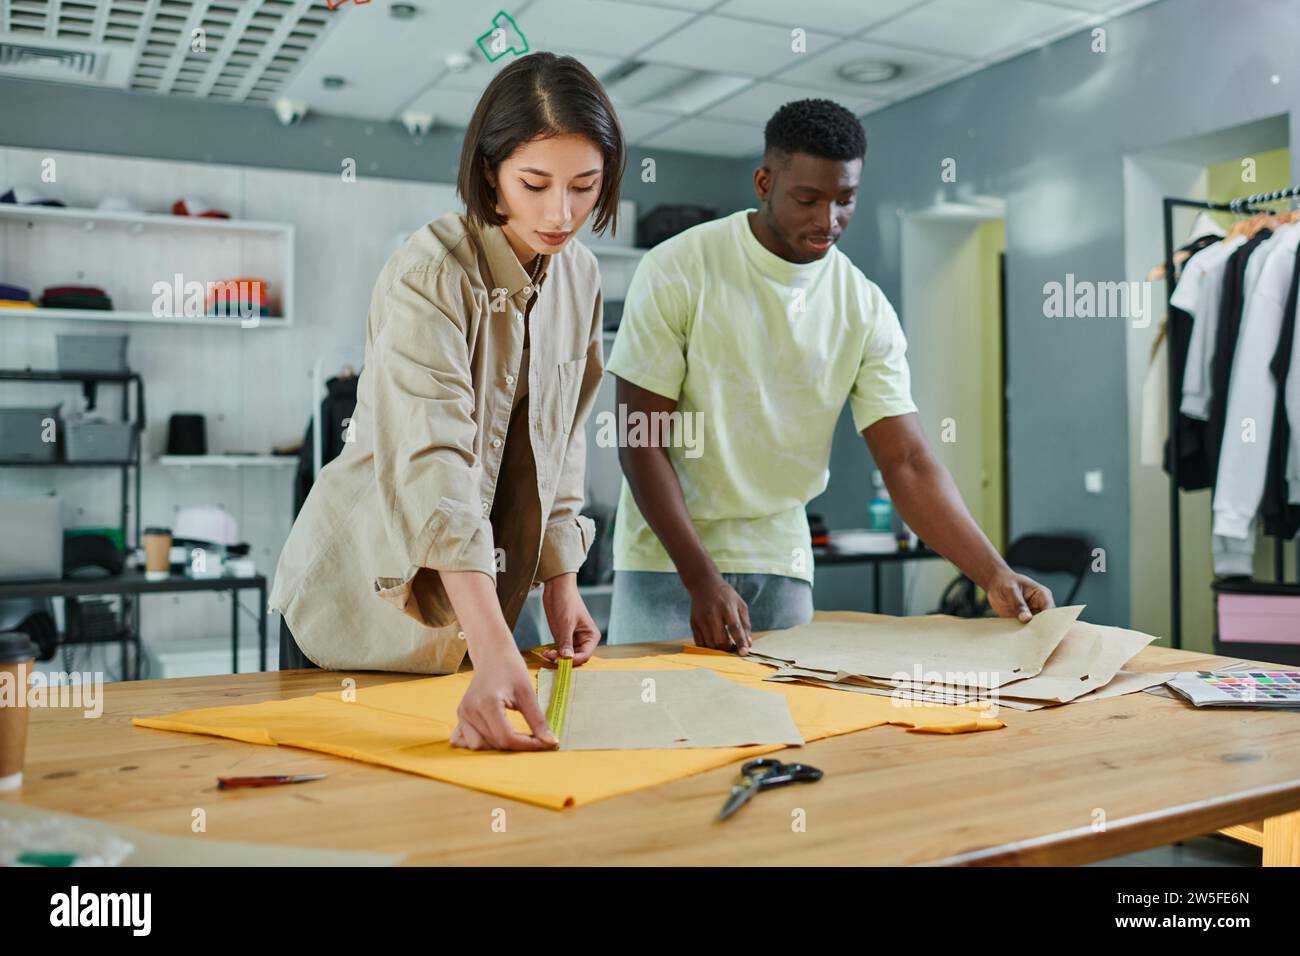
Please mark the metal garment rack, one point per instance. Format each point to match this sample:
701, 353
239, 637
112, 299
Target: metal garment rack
1239, 206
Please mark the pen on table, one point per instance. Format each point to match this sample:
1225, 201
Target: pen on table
271, 780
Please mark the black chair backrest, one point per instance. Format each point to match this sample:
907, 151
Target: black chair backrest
1053, 553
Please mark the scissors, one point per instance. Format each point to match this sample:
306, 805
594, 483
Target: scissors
760, 774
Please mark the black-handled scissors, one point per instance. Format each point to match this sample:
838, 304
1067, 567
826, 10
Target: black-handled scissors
761, 774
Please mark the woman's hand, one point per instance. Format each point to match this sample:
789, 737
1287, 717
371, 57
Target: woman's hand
500, 683
575, 633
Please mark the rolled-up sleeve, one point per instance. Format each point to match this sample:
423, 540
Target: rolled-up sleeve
427, 471
568, 534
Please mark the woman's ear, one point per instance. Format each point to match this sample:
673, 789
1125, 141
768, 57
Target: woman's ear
489, 174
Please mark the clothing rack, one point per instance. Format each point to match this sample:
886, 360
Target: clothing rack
1240, 206
328, 364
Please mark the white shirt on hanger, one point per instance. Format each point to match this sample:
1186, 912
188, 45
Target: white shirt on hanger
1252, 393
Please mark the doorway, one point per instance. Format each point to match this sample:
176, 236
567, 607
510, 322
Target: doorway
954, 316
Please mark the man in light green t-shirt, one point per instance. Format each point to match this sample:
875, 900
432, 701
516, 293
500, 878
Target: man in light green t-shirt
748, 334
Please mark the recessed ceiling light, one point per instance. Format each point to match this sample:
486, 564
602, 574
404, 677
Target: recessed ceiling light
869, 71
333, 82
403, 11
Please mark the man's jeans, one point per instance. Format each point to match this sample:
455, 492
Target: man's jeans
655, 606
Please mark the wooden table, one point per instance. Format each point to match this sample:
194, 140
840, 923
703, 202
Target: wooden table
1152, 770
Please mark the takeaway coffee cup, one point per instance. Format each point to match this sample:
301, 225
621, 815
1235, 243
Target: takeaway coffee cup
17, 655
157, 553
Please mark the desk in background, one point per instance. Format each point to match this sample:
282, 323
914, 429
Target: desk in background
828, 555
134, 583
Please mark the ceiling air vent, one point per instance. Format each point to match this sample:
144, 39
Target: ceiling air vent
31, 61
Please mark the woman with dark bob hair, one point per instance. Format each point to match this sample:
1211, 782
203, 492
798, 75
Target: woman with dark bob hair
461, 481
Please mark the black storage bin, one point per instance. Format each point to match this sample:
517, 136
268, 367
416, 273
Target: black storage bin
664, 222
1244, 607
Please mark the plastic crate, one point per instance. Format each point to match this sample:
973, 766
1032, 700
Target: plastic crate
22, 433
99, 441
92, 353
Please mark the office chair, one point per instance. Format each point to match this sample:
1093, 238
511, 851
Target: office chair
1031, 554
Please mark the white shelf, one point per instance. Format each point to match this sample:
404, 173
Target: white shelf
130, 253
90, 219
108, 315
615, 251
227, 461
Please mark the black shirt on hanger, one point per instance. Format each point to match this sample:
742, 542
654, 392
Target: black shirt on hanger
1193, 467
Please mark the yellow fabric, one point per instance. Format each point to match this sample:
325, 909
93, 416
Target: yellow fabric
407, 726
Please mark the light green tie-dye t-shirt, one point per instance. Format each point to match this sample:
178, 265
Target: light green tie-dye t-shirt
761, 353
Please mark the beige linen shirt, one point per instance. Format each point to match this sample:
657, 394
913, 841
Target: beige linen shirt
427, 480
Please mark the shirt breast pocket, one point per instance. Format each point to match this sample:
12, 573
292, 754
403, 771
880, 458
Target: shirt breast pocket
568, 387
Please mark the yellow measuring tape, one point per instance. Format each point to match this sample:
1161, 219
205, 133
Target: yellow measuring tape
557, 711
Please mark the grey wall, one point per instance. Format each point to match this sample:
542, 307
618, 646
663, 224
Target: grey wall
1047, 131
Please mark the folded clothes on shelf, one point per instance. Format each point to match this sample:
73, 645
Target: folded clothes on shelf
238, 298
74, 290
26, 196
15, 297
238, 310
75, 297
197, 207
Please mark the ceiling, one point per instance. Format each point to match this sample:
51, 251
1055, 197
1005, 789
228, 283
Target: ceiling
695, 75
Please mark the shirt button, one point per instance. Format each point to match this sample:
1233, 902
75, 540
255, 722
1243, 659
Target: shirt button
460, 635
496, 443
486, 507
510, 380
527, 290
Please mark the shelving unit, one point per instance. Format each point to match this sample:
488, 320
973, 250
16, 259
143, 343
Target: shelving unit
228, 461
128, 634
113, 315
129, 254
90, 382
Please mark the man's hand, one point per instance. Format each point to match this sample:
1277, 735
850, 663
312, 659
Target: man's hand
575, 633
1015, 595
719, 616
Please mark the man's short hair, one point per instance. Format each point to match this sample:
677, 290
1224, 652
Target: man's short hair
817, 127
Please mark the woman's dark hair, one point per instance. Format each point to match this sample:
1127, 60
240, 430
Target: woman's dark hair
540, 94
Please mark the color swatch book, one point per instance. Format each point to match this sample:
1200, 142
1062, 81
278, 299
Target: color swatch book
1239, 688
